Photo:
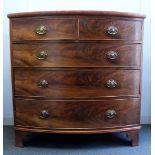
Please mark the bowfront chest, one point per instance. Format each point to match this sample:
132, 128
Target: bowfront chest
76, 72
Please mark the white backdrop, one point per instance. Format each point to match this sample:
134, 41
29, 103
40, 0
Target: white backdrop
140, 6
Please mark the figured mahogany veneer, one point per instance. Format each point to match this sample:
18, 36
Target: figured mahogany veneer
76, 72
76, 55
76, 114
96, 29
57, 28
72, 84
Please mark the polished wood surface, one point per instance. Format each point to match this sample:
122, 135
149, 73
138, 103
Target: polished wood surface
96, 29
76, 55
80, 12
76, 114
82, 83
79, 131
75, 98
57, 28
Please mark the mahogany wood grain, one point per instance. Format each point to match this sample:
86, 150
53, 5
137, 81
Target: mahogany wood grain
76, 55
82, 83
96, 29
57, 28
79, 131
76, 69
79, 12
77, 114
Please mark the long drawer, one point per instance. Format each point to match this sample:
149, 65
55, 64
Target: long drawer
76, 55
76, 83
76, 114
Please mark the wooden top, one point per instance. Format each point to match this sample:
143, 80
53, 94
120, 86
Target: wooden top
48, 13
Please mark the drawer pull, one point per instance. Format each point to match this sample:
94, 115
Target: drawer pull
111, 83
111, 113
42, 55
43, 84
44, 114
112, 30
41, 30
112, 55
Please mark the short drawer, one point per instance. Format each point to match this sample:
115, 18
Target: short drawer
76, 114
43, 29
76, 83
76, 55
109, 29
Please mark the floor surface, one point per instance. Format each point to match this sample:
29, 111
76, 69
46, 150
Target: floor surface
101, 144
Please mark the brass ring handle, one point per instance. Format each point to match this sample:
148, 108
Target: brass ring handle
41, 30
112, 55
110, 113
42, 55
44, 114
111, 83
42, 84
112, 30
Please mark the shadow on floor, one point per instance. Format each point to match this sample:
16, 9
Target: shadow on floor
78, 141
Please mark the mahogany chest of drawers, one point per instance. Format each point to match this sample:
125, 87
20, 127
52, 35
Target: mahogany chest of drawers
76, 72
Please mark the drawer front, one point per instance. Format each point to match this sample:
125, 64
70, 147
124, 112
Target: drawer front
109, 29
76, 114
76, 55
43, 29
77, 83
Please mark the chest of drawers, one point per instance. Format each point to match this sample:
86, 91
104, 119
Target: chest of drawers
76, 72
